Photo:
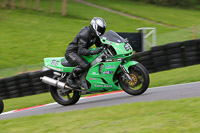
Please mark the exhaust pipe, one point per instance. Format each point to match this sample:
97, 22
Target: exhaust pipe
54, 83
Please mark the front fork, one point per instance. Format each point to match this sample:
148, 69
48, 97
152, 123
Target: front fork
126, 73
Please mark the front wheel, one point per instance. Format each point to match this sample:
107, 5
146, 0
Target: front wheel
1, 106
140, 82
63, 96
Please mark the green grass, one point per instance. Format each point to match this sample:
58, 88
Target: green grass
185, 19
169, 116
7, 72
170, 77
27, 101
27, 36
167, 15
175, 76
179, 35
30, 38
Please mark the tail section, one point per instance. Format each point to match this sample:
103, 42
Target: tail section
55, 63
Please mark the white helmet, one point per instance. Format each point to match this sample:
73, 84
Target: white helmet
98, 25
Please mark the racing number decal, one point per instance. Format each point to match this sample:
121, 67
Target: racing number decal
127, 47
55, 63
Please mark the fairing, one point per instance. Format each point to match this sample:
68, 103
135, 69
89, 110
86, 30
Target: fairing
121, 47
54, 63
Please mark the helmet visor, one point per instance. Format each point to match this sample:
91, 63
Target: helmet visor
101, 30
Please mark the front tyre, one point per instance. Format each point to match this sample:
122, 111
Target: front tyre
1, 106
63, 96
140, 82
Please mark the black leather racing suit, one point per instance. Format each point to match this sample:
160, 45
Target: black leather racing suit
79, 46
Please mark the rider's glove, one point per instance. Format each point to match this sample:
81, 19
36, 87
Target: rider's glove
102, 47
97, 51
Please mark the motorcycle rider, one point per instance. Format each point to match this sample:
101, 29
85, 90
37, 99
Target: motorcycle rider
79, 47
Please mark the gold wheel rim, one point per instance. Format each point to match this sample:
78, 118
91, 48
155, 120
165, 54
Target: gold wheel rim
135, 80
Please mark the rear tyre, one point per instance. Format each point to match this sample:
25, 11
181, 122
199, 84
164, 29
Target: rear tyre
63, 96
1, 106
140, 77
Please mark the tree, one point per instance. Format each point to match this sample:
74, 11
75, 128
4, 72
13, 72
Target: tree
37, 4
52, 6
30, 4
5, 3
64, 8
13, 4
23, 4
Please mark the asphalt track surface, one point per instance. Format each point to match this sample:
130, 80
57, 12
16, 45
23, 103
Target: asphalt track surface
152, 94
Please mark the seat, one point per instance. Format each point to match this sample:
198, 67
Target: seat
66, 63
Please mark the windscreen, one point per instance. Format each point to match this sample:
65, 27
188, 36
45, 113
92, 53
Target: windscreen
113, 37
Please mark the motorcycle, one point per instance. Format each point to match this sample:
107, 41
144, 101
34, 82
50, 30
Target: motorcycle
110, 70
1, 106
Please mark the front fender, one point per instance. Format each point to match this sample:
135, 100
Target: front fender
128, 64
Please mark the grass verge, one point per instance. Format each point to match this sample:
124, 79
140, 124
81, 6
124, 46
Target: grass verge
27, 36
8, 72
172, 116
186, 19
166, 15
170, 77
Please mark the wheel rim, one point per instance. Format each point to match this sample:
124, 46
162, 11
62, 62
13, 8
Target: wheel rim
138, 79
134, 78
64, 94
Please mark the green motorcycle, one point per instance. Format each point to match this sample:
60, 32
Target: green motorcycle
110, 70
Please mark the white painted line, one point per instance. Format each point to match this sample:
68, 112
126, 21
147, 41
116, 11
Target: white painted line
9, 112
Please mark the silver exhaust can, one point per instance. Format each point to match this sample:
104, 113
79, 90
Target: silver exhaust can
53, 82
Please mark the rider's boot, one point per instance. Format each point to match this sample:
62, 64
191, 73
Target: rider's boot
71, 82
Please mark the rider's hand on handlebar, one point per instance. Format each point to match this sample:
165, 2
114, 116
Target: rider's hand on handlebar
97, 51
102, 47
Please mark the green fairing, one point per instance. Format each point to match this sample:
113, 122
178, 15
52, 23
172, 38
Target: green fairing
128, 64
90, 58
119, 48
54, 63
103, 80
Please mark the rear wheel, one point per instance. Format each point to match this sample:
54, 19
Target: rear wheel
63, 96
1, 106
140, 82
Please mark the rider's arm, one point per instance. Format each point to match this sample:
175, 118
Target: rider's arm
98, 43
83, 48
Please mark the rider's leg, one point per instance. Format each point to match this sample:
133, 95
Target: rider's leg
81, 66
